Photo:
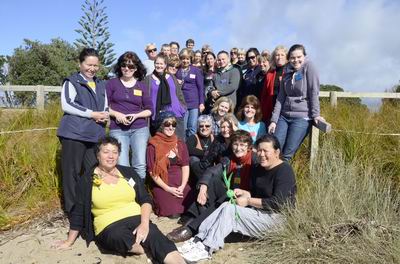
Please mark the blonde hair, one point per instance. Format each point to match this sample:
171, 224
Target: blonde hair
278, 48
149, 45
231, 120
223, 99
241, 51
174, 61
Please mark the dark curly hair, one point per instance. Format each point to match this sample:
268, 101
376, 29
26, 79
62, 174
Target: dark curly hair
241, 136
132, 57
107, 140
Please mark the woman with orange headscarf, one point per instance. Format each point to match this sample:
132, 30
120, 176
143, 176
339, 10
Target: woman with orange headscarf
168, 166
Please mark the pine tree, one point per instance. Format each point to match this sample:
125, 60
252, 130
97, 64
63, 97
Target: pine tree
94, 32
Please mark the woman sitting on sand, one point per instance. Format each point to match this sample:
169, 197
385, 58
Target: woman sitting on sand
253, 213
113, 208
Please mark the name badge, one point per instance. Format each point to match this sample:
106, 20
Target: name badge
298, 77
192, 76
131, 182
137, 92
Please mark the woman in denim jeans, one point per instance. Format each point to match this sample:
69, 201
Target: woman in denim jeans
297, 105
130, 106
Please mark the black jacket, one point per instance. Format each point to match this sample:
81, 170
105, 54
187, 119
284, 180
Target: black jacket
217, 170
81, 218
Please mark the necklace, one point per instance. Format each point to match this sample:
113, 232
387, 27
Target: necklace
206, 142
128, 87
111, 173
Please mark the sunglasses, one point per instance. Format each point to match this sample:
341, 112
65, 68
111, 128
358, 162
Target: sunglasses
204, 126
251, 57
129, 66
168, 124
152, 50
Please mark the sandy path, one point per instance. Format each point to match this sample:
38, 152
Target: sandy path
31, 243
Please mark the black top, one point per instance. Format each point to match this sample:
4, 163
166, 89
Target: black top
217, 150
277, 81
276, 187
205, 143
81, 218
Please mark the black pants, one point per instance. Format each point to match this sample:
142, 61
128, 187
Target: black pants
216, 196
118, 237
74, 155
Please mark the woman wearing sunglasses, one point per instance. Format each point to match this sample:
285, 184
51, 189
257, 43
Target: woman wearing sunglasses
250, 84
200, 143
130, 106
168, 166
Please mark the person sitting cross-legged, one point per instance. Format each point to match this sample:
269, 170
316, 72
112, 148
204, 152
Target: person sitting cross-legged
252, 214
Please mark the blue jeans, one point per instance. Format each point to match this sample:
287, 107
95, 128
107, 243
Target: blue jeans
190, 121
136, 140
290, 133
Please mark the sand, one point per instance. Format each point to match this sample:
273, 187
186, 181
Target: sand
31, 243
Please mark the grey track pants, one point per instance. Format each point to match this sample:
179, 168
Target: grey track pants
252, 222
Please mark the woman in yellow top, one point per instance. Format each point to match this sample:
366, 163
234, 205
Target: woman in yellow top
113, 208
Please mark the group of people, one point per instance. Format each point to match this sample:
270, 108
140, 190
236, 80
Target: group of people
173, 132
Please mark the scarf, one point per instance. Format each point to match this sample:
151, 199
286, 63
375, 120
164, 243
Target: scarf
162, 144
241, 176
163, 93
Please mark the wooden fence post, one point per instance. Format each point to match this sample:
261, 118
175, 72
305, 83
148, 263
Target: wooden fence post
333, 99
314, 138
40, 97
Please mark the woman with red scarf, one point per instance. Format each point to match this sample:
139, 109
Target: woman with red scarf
212, 187
272, 82
168, 166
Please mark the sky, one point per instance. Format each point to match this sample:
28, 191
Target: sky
353, 43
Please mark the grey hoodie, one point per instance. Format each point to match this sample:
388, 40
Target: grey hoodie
298, 95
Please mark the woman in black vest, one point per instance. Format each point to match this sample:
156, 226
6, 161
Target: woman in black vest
85, 106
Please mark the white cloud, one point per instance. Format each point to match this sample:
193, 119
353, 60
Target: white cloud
353, 43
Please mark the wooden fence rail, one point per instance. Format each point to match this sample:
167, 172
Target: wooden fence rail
41, 90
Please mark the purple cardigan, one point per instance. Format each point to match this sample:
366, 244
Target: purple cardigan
130, 100
193, 87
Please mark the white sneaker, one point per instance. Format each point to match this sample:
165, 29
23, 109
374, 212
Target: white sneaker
187, 246
197, 253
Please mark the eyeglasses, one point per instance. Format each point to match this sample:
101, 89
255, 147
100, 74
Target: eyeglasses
168, 124
240, 145
251, 57
129, 66
205, 52
204, 126
233, 53
151, 50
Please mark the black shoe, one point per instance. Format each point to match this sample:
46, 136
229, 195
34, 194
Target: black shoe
180, 234
174, 216
184, 220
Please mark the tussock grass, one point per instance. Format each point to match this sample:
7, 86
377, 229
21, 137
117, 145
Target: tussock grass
348, 204
346, 213
28, 164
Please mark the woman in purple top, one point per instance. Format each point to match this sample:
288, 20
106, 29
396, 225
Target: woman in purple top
193, 91
166, 95
130, 106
